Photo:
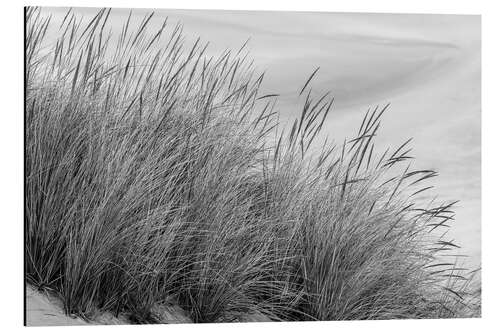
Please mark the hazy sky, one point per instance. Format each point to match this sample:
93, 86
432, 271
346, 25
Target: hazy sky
427, 66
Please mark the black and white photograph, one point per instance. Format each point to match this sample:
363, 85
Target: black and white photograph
186, 166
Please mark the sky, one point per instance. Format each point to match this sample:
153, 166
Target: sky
428, 66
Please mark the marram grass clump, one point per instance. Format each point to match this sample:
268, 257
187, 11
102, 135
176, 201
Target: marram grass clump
155, 172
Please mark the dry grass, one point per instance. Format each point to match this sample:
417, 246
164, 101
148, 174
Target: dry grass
156, 172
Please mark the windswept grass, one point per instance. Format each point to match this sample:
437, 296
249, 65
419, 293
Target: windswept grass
155, 172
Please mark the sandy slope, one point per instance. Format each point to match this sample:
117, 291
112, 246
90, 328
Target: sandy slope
44, 309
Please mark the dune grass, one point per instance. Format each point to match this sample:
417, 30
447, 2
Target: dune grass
155, 173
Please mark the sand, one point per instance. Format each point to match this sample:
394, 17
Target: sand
45, 309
